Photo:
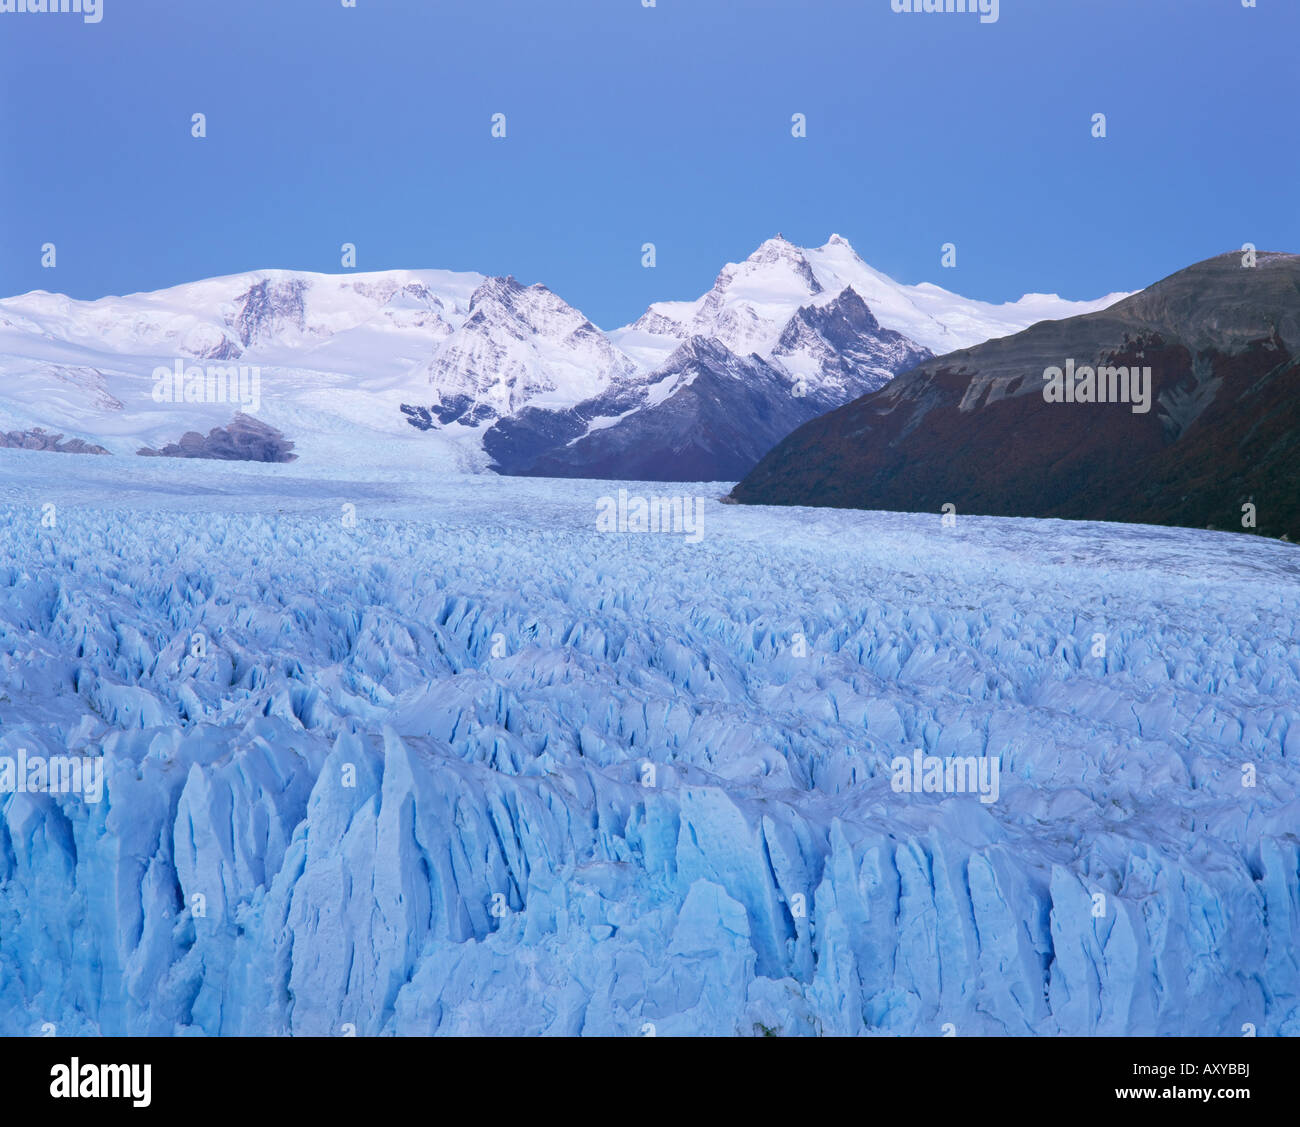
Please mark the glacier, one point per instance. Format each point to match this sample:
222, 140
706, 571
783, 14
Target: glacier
393, 754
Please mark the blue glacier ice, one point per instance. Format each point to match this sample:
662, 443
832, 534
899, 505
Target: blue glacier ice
470, 766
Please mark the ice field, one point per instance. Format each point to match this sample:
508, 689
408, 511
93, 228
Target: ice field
470, 766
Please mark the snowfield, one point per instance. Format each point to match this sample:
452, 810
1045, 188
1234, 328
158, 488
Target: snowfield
472, 767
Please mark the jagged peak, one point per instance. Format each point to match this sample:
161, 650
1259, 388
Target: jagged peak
508, 290
847, 302
777, 252
699, 348
497, 284
775, 249
849, 296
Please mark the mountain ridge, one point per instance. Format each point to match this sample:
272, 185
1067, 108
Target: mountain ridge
975, 430
420, 365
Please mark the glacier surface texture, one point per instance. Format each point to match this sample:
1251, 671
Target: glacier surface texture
471, 766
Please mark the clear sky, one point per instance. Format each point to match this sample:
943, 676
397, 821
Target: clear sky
627, 124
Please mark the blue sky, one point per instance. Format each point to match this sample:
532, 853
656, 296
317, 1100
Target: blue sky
626, 125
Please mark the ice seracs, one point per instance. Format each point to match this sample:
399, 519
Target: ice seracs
470, 766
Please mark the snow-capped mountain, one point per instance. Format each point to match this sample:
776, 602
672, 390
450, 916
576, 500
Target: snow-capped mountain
521, 345
336, 354
752, 301
280, 315
749, 304
461, 371
708, 412
1185, 413
838, 350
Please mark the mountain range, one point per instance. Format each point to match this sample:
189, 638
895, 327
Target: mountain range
458, 371
1184, 412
